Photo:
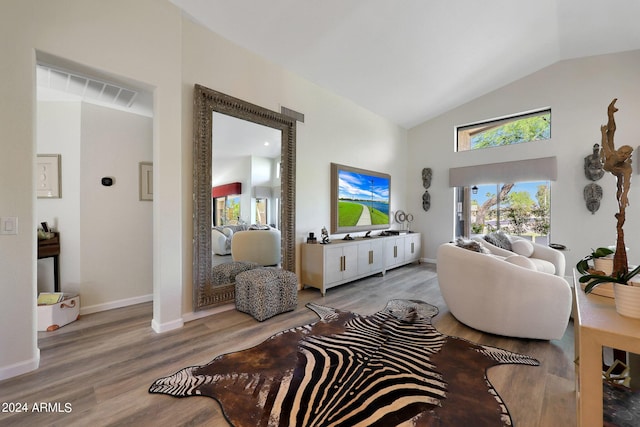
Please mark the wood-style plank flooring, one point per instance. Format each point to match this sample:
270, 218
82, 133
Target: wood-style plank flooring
99, 368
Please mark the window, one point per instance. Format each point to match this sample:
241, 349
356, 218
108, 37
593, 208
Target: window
524, 127
521, 209
226, 210
261, 211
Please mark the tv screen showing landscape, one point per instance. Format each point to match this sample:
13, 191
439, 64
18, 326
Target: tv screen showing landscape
360, 199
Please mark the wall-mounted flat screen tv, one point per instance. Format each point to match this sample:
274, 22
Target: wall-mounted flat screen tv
360, 199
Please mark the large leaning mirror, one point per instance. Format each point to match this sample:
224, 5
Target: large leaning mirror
209, 104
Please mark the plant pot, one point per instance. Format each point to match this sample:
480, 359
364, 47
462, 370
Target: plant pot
627, 300
604, 264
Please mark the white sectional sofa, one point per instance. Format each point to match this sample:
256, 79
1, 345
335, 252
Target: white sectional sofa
496, 295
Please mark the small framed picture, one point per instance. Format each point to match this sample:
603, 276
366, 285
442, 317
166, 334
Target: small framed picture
48, 184
146, 181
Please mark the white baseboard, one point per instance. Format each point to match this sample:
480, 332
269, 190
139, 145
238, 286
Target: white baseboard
114, 304
188, 317
20, 368
165, 327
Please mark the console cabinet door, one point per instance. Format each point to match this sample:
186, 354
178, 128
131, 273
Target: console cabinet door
412, 247
341, 262
394, 249
370, 256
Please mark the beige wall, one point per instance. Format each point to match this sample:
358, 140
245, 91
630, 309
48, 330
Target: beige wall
335, 130
142, 44
578, 92
153, 45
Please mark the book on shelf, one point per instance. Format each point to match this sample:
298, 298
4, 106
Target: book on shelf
48, 298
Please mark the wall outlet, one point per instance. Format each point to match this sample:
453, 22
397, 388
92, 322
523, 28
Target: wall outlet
9, 225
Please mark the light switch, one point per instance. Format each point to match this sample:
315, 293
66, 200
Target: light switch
9, 225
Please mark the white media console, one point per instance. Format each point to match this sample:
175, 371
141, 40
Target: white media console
342, 261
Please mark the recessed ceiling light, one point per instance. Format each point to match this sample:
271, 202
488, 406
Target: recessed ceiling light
266, 143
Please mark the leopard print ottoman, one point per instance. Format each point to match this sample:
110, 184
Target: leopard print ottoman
265, 292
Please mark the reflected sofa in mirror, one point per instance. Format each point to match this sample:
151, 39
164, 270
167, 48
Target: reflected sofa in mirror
206, 102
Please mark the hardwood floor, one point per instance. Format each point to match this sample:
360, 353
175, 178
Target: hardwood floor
99, 368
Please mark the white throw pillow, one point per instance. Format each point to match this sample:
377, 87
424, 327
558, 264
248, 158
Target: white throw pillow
521, 261
522, 247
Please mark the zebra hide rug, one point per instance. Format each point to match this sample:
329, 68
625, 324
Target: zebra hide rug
389, 369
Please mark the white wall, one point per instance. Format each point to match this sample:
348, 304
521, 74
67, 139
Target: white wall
101, 227
335, 130
578, 92
153, 45
116, 226
58, 131
143, 44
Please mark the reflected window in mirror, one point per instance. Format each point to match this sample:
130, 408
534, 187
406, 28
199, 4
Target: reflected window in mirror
227, 210
261, 211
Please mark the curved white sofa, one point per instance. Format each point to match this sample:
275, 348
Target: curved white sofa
496, 296
259, 246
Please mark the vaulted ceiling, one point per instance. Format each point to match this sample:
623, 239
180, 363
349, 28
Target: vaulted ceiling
411, 60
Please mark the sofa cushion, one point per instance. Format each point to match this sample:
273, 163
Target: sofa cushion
522, 247
499, 239
522, 261
471, 245
543, 265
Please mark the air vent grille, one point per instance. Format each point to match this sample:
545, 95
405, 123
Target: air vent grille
88, 88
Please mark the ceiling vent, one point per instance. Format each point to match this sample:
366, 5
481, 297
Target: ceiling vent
89, 89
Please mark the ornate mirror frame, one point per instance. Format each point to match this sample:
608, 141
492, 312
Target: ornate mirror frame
206, 101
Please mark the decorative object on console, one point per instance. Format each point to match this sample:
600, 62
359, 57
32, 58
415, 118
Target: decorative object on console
422, 377
312, 238
325, 236
592, 195
360, 199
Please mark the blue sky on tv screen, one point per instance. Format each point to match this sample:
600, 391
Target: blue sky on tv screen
358, 186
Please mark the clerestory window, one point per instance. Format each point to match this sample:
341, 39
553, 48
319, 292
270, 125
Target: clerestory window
525, 127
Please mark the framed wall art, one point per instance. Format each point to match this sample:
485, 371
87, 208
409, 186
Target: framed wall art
48, 179
146, 181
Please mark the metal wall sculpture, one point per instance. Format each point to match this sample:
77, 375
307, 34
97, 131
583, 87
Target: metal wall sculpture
427, 173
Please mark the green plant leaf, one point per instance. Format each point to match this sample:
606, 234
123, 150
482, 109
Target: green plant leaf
601, 252
583, 265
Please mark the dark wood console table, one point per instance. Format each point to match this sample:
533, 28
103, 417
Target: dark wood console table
50, 248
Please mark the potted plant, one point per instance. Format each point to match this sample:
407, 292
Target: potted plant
597, 255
